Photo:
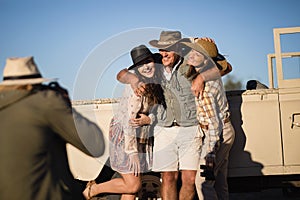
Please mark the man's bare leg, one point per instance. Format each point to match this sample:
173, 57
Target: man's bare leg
169, 185
187, 191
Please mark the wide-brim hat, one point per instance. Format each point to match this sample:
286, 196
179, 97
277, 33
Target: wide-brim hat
210, 49
196, 47
167, 39
22, 71
139, 54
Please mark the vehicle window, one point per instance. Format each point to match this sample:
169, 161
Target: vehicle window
290, 45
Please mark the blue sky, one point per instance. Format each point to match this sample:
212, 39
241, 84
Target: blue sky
85, 43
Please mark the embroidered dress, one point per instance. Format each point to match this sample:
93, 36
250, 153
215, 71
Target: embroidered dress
125, 139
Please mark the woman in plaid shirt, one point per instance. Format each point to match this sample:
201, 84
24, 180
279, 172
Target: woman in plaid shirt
214, 120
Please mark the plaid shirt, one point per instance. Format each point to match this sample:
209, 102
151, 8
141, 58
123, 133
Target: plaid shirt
212, 111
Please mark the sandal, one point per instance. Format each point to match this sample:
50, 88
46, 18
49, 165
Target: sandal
89, 187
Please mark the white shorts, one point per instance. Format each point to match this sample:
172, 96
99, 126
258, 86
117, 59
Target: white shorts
176, 148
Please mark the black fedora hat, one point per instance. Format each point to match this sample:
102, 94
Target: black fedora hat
139, 54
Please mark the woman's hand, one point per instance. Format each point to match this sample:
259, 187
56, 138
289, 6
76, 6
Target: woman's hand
198, 86
206, 39
139, 88
142, 120
134, 163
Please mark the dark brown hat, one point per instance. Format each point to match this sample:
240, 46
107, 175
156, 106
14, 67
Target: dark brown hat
139, 54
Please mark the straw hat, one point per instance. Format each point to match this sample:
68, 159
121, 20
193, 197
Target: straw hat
22, 71
211, 50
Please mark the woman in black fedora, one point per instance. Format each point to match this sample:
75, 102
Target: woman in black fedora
130, 133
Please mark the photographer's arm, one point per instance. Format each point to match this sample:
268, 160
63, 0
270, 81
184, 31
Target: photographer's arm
72, 126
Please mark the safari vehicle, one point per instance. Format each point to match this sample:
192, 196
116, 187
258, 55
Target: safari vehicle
267, 123
266, 150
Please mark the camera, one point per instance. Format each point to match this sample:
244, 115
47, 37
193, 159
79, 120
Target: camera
208, 172
208, 168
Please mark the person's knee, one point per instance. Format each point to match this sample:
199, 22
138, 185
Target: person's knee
188, 177
169, 177
133, 186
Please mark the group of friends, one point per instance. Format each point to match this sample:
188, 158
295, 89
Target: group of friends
173, 118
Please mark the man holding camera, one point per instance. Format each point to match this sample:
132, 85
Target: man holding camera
37, 121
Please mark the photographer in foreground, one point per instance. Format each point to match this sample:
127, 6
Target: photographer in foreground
36, 123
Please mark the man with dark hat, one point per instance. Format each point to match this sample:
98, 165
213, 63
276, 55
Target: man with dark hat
37, 121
